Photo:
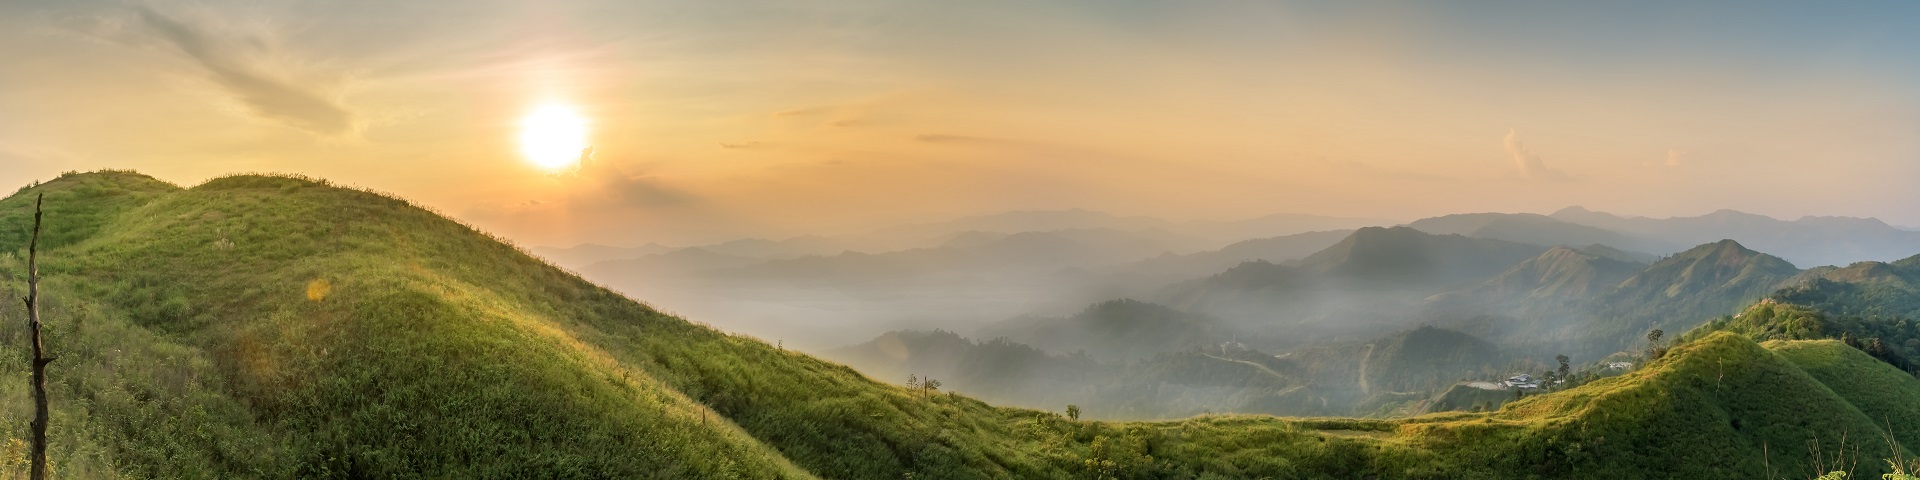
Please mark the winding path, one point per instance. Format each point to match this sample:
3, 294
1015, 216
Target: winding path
1364, 390
1262, 368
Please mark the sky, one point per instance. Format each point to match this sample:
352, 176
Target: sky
712, 120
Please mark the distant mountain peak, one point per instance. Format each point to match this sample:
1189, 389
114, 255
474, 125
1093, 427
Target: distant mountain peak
1726, 252
1846, 222
1731, 214
1397, 230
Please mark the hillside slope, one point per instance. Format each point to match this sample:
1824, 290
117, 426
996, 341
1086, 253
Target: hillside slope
280, 327
305, 330
1684, 290
1719, 407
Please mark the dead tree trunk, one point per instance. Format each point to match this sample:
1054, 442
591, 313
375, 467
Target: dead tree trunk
40, 358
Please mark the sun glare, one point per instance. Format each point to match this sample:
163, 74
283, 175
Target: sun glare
553, 136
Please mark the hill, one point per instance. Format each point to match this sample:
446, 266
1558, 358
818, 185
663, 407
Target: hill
1877, 389
1720, 266
1727, 399
281, 327
87, 203
1685, 290
235, 326
1424, 358
1893, 340
1868, 289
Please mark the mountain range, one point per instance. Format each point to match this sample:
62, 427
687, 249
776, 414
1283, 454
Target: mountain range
963, 273
1807, 241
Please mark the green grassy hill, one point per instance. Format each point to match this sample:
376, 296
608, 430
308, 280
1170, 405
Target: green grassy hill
1723, 265
1883, 393
282, 327
1718, 407
275, 327
1675, 294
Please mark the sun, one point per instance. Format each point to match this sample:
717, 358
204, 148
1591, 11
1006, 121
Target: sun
553, 136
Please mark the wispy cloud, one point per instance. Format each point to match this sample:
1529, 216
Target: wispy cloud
953, 139
603, 184
1528, 163
264, 92
805, 111
949, 138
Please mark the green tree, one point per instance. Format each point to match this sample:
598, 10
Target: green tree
1073, 411
1654, 351
928, 386
1566, 369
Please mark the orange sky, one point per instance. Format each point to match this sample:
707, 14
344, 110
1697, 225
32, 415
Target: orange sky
714, 120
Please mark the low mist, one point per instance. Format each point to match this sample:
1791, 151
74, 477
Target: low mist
1136, 317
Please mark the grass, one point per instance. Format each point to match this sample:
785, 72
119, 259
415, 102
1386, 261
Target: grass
1883, 393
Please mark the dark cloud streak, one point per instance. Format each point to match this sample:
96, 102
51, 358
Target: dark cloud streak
262, 94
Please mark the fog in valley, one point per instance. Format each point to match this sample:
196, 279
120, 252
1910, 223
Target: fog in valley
1293, 314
